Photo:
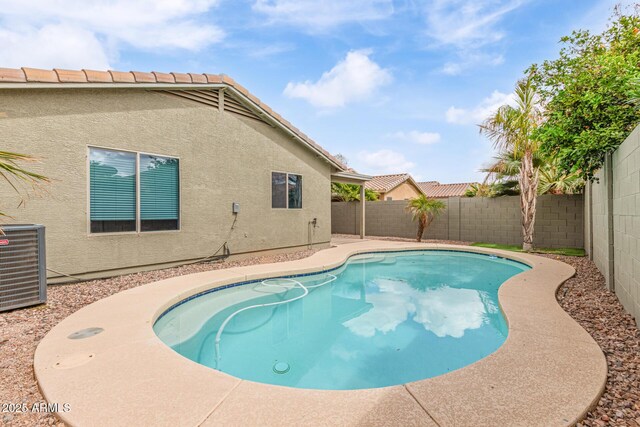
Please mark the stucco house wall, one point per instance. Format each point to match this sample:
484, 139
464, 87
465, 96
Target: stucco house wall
224, 158
403, 191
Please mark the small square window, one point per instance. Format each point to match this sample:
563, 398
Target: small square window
286, 190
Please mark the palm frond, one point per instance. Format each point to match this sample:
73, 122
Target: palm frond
511, 128
506, 166
10, 168
17, 176
423, 205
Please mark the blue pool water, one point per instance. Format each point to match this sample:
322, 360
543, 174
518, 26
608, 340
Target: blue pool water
379, 320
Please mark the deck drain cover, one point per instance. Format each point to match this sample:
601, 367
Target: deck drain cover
85, 333
74, 360
281, 368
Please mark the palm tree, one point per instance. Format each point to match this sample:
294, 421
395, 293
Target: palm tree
502, 176
505, 166
424, 210
511, 129
16, 176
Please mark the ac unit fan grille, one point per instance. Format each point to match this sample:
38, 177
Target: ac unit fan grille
21, 264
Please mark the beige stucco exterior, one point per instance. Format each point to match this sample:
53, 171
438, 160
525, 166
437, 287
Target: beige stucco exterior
404, 191
224, 158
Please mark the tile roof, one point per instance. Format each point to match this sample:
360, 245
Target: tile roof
386, 183
173, 81
437, 190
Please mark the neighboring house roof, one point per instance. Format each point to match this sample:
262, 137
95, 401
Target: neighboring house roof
386, 183
22, 78
437, 190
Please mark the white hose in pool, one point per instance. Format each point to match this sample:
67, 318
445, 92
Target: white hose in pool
294, 283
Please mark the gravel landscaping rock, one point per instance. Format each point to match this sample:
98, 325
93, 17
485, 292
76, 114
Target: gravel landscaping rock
584, 297
587, 300
21, 330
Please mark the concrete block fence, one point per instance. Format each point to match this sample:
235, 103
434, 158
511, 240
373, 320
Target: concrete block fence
559, 220
612, 232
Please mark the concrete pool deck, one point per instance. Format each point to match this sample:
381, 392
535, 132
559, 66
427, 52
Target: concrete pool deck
548, 372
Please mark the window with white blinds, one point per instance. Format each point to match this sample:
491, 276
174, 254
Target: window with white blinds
159, 193
121, 184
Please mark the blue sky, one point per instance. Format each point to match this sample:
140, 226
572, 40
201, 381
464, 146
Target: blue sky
394, 86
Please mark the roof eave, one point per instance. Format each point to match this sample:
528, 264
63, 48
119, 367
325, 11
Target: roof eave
350, 177
44, 85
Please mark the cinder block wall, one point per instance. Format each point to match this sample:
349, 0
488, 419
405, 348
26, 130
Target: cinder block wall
559, 221
390, 218
614, 232
626, 223
343, 218
490, 220
599, 235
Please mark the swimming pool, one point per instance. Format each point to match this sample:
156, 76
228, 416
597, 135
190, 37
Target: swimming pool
380, 319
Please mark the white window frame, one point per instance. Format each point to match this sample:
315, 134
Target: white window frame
286, 180
138, 230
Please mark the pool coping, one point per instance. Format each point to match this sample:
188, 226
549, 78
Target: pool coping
549, 371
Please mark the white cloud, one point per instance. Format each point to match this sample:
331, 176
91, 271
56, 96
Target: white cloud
444, 311
423, 138
319, 16
467, 23
85, 33
353, 79
384, 161
61, 46
481, 111
469, 28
